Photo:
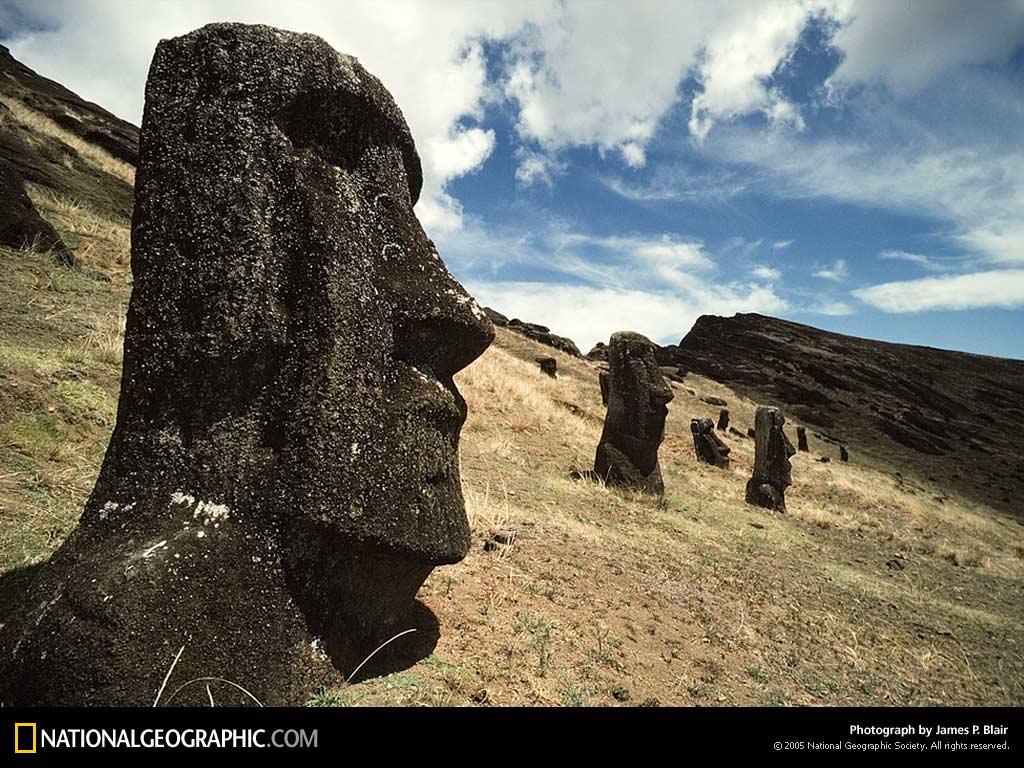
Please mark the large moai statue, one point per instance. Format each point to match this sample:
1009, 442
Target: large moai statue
634, 425
708, 445
772, 470
284, 470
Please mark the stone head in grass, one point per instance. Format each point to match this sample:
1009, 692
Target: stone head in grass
634, 425
773, 472
284, 471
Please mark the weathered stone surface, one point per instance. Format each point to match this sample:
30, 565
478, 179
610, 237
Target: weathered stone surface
495, 317
548, 365
598, 352
715, 401
772, 471
21, 226
634, 425
737, 433
500, 540
844, 455
723, 419
602, 380
284, 471
543, 335
707, 445
801, 439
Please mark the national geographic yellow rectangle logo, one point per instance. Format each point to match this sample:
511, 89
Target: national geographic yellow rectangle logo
21, 738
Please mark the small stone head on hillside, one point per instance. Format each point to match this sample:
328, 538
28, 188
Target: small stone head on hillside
638, 397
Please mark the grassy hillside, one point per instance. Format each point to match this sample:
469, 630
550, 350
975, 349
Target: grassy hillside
876, 587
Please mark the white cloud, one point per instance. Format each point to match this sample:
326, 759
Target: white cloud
738, 60
978, 190
831, 308
588, 314
920, 259
682, 185
906, 45
537, 168
429, 57
1001, 288
633, 154
780, 245
595, 285
837, 272
766, 273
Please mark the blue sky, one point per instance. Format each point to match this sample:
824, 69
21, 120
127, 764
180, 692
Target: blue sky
855, 165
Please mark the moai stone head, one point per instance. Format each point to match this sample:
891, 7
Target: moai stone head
287, 435
634, 426
707, 446
772, 470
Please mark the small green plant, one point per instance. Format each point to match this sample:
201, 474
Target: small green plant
541, 632
758, 674
334, 697
574, 693
606, 647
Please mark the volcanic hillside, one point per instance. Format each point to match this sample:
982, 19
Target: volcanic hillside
951, 417
894, 578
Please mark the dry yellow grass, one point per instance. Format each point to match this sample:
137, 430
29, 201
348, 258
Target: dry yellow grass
95, 155
98, 241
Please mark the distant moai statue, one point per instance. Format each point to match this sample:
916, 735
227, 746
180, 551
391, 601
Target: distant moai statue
844, 455
549, 366
602, 380
772, 470
723, 419
634, 425
707, 445
801, 439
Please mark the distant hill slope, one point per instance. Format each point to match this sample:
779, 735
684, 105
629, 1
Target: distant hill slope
955, 415
63, 145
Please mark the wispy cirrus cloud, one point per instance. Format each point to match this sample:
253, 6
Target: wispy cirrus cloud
837, 272
1002, 288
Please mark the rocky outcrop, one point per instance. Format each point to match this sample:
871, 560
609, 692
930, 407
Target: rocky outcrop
46, 159
598, 352
772, 473
634, 425
69, 110
284, 470
21, 226
708, 447
910, 403
539, 333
